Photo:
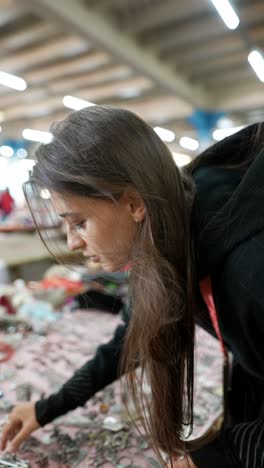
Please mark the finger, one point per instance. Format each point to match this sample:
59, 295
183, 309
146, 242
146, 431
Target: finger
6, 434
20, 437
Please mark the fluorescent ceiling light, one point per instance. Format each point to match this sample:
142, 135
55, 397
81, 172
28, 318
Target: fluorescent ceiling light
256, 60
129, 92
225, 122
12, 81
37, 135
189, 143
222, 133
181, 159
227, 13
164, 134
6, 151
76, 103
21, 153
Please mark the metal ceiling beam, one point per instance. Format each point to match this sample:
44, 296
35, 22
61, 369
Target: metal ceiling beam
108, 4
217, 64
212, 49
94, 93
84, 63
95, 26
82, 85
9, 13
158, 108
186, 34
204, 28
240, 74
25, 36
56, 48
105, 75
241, 98
164, 12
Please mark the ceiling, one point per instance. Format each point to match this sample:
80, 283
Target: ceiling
167, 60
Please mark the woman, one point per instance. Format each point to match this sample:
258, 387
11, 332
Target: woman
126, 203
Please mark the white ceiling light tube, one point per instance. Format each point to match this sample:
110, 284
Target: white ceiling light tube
21, 153
256, 61
75, 103
37, 135
181, 159
221, 133
227, 13
6, 151
130, 92
164, 134
12, 81
225, 122
189, 143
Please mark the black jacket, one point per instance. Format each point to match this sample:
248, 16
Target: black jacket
228, 226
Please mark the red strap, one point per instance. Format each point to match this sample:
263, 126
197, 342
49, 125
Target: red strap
206, 291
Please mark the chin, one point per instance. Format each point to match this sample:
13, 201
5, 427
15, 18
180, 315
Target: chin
111, 267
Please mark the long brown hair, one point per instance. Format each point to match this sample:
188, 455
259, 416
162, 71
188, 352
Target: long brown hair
99, 152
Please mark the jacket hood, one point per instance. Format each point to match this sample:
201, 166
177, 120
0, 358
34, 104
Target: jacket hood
229, 203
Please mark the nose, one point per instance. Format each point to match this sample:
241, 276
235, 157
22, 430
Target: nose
74, 240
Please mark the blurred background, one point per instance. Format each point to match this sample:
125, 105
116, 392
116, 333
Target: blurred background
194, 70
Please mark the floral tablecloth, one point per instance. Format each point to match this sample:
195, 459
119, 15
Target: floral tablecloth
41, 364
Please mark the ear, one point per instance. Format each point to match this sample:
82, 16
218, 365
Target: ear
135, 205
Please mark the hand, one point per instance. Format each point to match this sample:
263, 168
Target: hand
186, 462
21, 422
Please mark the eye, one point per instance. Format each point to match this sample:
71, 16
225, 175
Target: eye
79, 225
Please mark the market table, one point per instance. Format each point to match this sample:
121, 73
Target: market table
78, 439
21, 250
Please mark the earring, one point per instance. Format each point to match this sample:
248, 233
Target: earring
137, 220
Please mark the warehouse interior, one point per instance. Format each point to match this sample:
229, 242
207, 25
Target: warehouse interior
195, 74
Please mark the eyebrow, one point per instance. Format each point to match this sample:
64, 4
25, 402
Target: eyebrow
69, 213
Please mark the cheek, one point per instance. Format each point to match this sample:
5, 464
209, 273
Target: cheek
124, 232
111, 232
90, 233
99, 233
118, 233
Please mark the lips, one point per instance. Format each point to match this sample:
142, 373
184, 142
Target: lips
95, 259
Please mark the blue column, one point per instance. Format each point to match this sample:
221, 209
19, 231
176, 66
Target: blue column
204, 122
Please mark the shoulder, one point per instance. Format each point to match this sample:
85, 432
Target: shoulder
239, 296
